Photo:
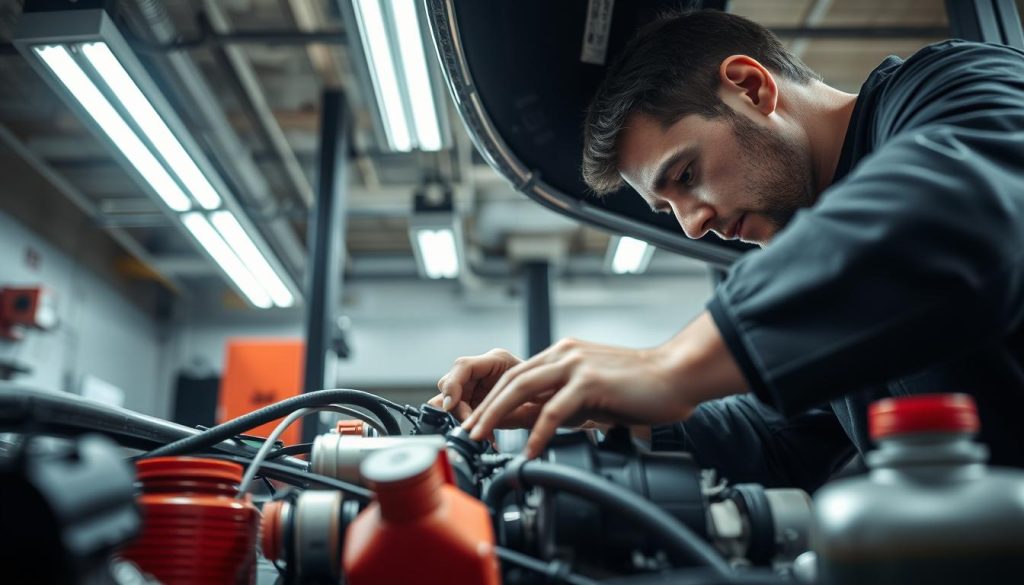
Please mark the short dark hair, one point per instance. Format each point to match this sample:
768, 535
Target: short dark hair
670, 70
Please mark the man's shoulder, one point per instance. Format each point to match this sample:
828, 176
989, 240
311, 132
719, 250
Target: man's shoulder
957, 50
942, 81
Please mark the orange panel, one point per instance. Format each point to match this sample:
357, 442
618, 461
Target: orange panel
257, 373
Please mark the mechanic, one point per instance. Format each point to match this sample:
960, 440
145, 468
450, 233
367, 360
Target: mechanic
895, 219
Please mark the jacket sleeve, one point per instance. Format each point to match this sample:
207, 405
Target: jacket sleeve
747, 441
915, 257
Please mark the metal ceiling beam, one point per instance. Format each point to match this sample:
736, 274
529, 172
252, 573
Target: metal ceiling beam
813, 16
212, 38
990, 21
80, 200
255, 97
323, 59
303, 38
862, 32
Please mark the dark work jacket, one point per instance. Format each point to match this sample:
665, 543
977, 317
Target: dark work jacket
906, 277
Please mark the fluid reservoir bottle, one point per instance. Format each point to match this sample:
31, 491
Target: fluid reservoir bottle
195, 530
421, 528
930, 510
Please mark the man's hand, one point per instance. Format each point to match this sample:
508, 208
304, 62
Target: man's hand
573, 381
466, 385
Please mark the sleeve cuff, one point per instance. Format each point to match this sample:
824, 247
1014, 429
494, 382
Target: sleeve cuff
668, 438
731, 337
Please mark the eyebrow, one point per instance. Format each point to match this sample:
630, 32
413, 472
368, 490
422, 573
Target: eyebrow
661, 176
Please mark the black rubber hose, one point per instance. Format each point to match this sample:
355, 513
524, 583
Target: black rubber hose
680, 543
295, 477
554, 571
26, 410
233, 427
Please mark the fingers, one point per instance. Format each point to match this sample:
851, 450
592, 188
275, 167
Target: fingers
459, 384
547, 356
554, 414
502, 402
462, 411
451, 384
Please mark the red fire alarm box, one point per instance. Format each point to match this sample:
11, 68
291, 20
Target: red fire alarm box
25, 308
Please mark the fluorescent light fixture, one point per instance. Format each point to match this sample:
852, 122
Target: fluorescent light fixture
152, 125
239, 241
226, 259
401, 80
417, 77
382, 71
629, 255
58, 59
438, 252
85, 58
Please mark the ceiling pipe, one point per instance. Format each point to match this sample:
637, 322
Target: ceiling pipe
234, 157
814, 15
325, 61
257, 100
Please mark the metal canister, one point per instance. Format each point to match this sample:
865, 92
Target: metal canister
930, 510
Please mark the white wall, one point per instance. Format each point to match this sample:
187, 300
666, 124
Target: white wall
101, 333
408, 333
403, 333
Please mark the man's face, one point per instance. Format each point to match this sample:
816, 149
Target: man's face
729, 175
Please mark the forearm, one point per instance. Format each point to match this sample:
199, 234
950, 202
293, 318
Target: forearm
701, 364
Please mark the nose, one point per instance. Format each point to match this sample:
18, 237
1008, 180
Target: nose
695, 218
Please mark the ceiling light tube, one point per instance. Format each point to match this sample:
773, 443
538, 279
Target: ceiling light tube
377, 46
226, 259
152, 125
60, 62
438, 252
419, 92
233, 233
630, 255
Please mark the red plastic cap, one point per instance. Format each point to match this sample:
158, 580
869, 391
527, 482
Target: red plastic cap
188, 467
925, 413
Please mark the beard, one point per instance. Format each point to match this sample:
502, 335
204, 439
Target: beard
778, 171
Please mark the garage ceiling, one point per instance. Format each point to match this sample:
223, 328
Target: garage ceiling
288, 79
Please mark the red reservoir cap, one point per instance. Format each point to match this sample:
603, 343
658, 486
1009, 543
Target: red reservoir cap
924, 413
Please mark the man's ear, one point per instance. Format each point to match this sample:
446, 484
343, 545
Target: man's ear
745, 83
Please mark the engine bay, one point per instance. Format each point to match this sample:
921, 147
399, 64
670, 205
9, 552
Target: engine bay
594, 507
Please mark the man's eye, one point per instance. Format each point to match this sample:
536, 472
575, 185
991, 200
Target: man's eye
686, 177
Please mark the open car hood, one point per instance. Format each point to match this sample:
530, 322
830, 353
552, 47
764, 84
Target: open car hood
522, 72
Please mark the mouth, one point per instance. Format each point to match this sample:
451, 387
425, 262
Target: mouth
736, 230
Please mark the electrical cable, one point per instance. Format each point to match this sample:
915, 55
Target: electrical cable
296, 477
225, 431
554, 571
268, 444
270, 486
296, 449
407, 410
680, 543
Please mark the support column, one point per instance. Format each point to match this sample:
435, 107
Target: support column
537, 285
326, 248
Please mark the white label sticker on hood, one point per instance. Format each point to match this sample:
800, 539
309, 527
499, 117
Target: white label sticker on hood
595, 36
